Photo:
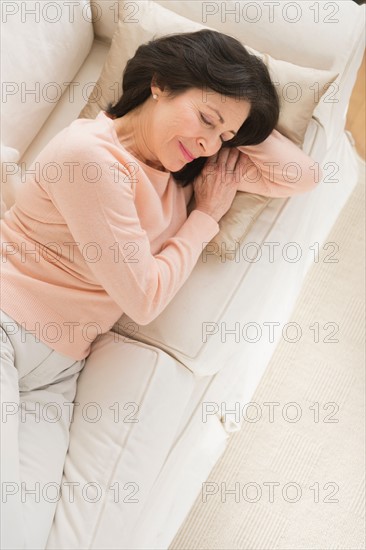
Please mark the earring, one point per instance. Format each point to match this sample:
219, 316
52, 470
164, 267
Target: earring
155, 96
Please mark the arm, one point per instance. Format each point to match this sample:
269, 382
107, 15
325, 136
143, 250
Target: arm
262, 168
104, 212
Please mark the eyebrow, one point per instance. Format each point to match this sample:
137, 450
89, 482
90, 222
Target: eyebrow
221, 119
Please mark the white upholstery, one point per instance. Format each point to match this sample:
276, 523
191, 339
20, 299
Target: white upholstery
128, 405
105, 17
165, 367
72, 101
60, 36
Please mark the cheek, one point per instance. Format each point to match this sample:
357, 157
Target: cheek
189, 125
176, 123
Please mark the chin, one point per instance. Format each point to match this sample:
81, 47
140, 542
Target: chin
174, 166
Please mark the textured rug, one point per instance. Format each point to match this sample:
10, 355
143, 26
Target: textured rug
294, 476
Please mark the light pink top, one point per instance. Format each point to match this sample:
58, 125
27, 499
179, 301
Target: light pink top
95, 233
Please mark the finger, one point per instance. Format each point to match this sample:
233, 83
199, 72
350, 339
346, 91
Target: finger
234, 153
230, 153
232, 158
223, 154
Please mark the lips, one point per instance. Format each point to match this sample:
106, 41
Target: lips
187, 154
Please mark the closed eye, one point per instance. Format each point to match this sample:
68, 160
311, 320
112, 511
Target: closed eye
208, 123
205, 120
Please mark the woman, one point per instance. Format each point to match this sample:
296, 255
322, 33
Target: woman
101, 228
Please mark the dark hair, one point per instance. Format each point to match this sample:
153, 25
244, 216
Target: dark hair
208, 60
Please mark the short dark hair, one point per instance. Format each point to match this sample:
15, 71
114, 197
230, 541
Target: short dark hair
207, 60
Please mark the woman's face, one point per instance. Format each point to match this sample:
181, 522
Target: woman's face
193, 124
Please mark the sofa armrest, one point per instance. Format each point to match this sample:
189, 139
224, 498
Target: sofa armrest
43, 47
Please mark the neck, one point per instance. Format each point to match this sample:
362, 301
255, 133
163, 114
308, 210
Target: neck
134, 133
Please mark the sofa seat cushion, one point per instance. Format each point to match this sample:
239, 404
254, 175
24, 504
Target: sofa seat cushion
222, 315
129, 403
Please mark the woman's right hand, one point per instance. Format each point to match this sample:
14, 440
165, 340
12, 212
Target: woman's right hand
215, 187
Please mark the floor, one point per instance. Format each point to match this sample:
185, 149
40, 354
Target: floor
356, 116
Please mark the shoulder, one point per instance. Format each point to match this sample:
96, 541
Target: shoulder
85, 137
85, 141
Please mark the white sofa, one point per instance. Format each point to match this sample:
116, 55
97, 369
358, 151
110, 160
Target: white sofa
151, 413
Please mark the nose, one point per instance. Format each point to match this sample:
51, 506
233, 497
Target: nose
209, 146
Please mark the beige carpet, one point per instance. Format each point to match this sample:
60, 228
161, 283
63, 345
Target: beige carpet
322, 455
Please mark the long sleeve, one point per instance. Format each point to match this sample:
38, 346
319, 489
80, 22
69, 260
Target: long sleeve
101, 212
276, 168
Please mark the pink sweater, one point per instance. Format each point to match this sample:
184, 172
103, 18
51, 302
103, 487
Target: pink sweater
95, 233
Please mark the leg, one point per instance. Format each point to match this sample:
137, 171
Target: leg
40, 434
12, 525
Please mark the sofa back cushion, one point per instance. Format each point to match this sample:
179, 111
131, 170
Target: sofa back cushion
44, 44
105, 17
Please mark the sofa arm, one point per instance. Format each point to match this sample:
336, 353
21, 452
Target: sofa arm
129, 402
46, 43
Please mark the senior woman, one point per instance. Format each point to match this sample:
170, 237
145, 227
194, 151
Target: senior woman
100, 228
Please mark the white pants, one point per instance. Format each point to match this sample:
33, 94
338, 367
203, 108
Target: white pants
38, 387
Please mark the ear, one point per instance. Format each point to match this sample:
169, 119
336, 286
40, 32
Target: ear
155, 89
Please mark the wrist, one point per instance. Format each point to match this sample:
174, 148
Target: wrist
207, 211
